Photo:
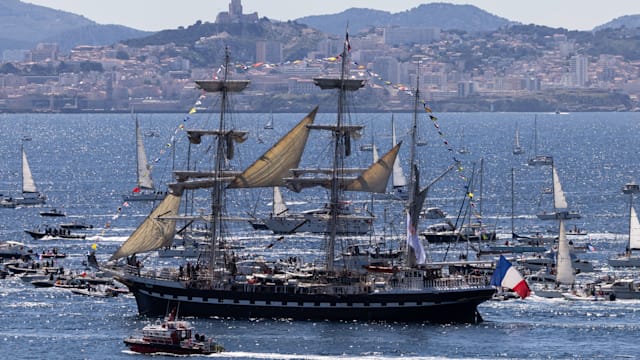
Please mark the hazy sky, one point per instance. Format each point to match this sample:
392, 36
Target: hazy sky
169, 14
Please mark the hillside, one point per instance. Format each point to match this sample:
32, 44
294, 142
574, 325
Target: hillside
441, 15
24, 25
627, 21
298, 39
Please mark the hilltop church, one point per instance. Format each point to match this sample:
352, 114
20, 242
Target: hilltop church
235, 14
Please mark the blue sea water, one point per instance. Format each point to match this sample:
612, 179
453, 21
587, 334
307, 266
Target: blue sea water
85, 162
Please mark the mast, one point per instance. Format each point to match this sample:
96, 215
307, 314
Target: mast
342, 143
535, 135
217, 191
414, 182
414, 135
513, 232
138, 173
481, 187
224, 151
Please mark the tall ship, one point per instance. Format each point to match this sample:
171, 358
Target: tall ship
335, 288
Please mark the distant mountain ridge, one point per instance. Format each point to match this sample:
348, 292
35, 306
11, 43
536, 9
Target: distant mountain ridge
24, 25
628, 21
441, 15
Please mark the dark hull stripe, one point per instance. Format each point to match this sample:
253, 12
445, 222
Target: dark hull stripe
440, 307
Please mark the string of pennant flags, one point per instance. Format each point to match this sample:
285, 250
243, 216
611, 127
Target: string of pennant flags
166, 147
163, 150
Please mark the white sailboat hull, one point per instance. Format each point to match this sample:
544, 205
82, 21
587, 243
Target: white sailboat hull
625, 261
317, 224
145, 196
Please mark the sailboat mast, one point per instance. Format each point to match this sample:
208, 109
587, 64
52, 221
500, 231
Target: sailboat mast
628, 249
535, 135
480, 198
22, 162
138, 174
513, 233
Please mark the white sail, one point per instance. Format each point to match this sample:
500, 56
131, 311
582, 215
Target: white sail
28, 185
517, 139
565, 273
279, 207
634, 231
398, 178
559, 200
144, 171
374, 149
155, 232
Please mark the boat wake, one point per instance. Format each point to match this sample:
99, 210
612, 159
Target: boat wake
276, 356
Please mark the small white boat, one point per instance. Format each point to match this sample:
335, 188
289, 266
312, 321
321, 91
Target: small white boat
628, 259
103, 292
623, 288
589, 293
144, 190
30, 194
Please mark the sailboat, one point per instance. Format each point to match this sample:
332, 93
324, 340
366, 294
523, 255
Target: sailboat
628, 259
283, 221
463, 148
30, 194
144, 190
565, 275
398, 180
269, 124
326, 291
559, 202
517, 148
537, 159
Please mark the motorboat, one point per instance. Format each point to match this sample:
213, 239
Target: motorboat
172, 337
54, 233
53, 213
14, 250
623, 288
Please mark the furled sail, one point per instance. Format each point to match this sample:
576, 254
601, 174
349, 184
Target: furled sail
28, 185
565, 273
222, 85
144, 172
155, 232
634, 231
376, 177
195, 135
559, 200
274, 165
184, 175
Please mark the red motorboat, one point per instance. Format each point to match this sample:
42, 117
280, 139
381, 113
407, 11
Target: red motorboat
172, 337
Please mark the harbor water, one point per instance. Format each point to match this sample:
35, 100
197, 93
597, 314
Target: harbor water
84, 163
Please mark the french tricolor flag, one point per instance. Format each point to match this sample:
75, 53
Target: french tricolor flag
508, 276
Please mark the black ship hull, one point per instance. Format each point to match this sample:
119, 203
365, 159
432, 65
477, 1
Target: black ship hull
154, 297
